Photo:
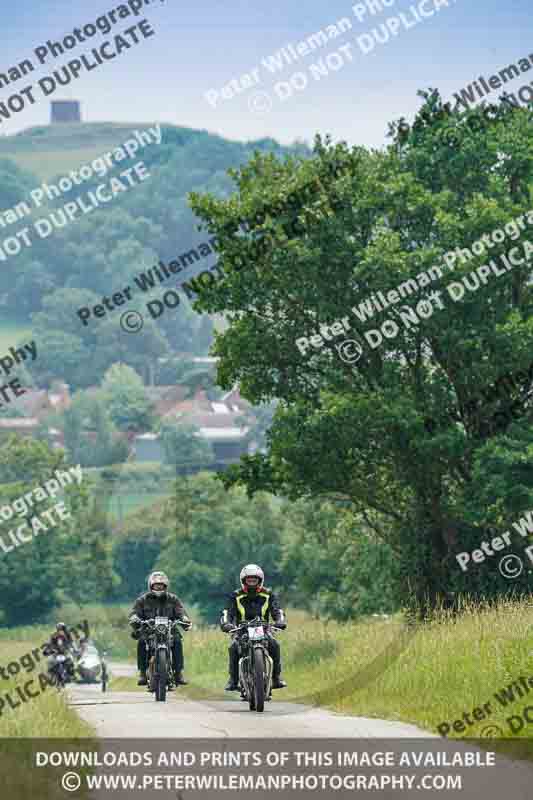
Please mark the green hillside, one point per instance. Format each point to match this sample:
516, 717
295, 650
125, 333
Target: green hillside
53, 149
49, 150
75, 264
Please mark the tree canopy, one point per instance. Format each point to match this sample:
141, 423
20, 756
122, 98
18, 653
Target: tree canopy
126, 399
355, 431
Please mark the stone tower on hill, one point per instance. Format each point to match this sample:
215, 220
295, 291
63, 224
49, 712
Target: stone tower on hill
65, 111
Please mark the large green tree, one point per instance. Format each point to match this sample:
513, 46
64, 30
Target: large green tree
334, 565
90, 437
184, 449
127, 400
295, 259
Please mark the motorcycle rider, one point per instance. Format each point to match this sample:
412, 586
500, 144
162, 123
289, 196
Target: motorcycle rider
82, 635
63, 631
158, 602
60, 643
251, 601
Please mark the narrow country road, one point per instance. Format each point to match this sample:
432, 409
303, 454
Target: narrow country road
137, 715
119, 716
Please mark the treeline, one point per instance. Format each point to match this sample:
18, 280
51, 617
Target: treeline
99, 255
316, 554
71, 561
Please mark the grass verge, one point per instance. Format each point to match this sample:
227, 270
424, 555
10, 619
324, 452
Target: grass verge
450, 666
24, 719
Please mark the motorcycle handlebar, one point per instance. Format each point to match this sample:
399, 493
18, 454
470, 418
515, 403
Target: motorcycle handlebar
244, 625
150, 623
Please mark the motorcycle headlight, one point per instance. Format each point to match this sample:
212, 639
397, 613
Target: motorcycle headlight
161, 629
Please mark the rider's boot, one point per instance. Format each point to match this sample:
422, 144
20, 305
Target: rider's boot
179, 679
233, 684
277, 683
143, 680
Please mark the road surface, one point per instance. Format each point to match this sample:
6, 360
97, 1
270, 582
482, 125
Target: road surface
137, 715
123, 715
119, 714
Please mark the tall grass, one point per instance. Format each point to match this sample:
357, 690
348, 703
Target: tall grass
372, 668
453, 665
21, 723
317, 656
379, 668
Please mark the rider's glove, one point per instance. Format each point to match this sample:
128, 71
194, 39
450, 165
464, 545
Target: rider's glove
135, 620
281, 625
186, 624
227, 627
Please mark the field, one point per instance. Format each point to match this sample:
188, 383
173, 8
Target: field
378, 668
12, 331
124, 503
55, 150
425, 677
373, 668
45, 715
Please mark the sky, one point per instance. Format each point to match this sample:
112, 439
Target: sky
201, 47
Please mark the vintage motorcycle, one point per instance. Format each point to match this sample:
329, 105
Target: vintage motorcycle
60, 668
91, 666
159, 636
255, 663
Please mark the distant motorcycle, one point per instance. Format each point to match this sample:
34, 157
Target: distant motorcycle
159, 636
91, 666
255, 663
60, 668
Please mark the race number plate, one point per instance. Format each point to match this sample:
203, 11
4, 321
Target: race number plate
161, 620
256, 633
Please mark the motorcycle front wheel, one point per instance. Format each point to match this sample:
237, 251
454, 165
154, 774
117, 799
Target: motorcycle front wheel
60, 680
251, 700
259, 679
161, 676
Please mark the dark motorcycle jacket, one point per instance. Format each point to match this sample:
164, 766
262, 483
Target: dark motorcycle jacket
243, 606
57, 644
148, 606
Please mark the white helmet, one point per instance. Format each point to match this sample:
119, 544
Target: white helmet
158, 577
252, 570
